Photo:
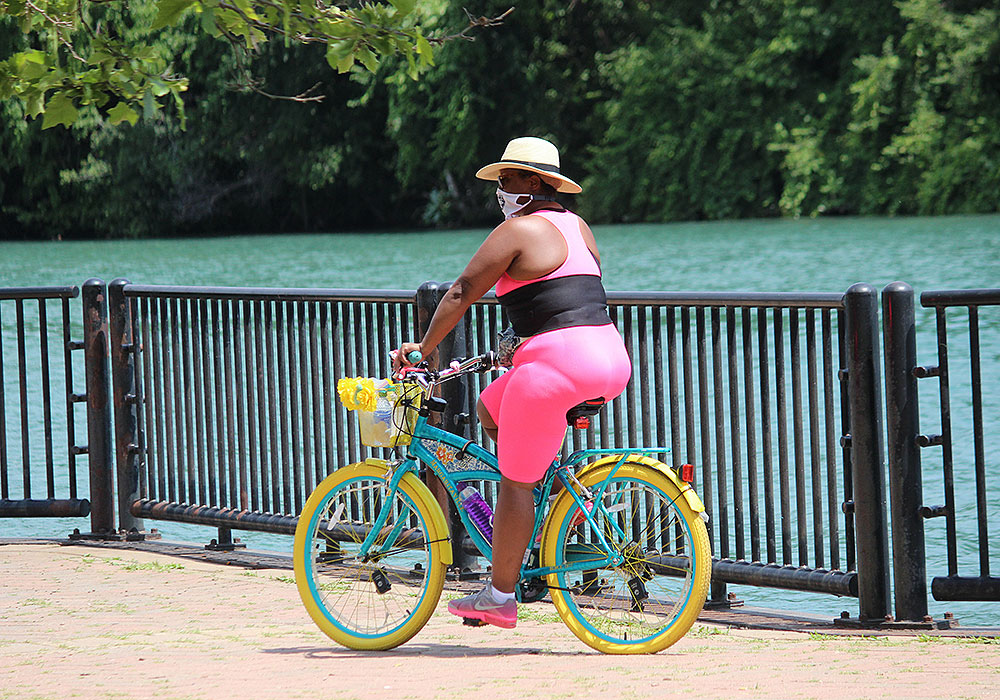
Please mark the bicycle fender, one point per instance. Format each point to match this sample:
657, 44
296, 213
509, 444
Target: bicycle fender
690, 495
427, 504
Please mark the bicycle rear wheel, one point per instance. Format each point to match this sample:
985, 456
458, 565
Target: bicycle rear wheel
652, 597
380, 600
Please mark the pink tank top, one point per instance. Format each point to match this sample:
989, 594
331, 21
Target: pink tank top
579, 259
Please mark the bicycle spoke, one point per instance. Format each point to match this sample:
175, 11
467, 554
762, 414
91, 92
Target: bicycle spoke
639, 600
373, 593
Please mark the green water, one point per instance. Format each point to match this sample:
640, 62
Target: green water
826, 255
767, 255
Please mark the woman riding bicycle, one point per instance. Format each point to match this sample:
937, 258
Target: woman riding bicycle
544, 262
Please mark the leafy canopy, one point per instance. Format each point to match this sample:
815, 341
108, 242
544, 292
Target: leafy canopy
110, 53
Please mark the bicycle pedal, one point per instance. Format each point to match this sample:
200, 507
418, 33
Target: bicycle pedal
473, 622
639, 593
381, 582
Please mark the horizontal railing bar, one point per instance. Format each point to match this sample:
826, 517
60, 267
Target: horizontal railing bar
217, 517
778, 300
787, 577
262, 522
804, 300
266, 293
65, 292
45, 508
965, 588
960, 297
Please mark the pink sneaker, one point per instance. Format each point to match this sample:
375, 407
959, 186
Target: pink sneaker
481, 606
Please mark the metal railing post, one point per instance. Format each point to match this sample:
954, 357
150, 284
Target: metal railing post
427, 298
99, 445
123, 397
902, 417
870, 518
455, 345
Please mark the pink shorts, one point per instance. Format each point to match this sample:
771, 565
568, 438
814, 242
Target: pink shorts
552, 372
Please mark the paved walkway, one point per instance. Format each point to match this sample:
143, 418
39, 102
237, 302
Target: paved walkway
95, 622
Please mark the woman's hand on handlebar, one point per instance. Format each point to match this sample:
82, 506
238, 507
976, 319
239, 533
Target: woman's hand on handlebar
407, 355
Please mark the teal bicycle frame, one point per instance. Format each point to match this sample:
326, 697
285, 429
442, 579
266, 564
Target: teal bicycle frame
455, 459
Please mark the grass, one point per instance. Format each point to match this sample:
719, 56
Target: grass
336, 587
37, 601
536, 615
129, 564
895, 641
854, 639
934, 639
148, 566
107, 606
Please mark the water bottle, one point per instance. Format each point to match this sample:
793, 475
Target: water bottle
383, 413
478, 509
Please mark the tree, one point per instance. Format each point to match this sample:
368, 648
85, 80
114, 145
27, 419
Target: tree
924, 133
538, 75
119, 56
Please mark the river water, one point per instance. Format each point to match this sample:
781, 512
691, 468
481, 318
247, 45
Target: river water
812, 255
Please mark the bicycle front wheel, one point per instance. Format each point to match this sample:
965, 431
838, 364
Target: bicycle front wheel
648, 599
380, 599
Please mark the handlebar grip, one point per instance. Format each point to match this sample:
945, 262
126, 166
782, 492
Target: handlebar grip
488, 362
414, 356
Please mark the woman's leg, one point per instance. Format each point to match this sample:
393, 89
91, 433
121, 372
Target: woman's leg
512, 526
486, 421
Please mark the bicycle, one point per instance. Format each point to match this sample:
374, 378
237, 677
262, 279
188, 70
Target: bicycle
624, 552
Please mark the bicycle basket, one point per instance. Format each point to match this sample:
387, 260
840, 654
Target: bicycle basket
386, 410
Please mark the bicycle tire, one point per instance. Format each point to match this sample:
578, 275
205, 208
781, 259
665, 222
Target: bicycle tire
347, 596
632, 608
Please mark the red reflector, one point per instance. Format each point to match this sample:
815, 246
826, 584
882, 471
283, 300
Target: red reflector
582, 423
687, 473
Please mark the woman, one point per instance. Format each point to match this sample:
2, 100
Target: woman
544, 262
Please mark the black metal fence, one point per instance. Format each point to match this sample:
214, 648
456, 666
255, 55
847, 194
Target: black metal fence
750, 389
37, 405
972, 518
225, 415
225, 408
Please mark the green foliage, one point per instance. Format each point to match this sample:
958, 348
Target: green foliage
243, 163
109, 53
687, 110
926, 113
75, 56
538, 74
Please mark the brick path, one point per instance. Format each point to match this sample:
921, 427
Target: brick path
89, 622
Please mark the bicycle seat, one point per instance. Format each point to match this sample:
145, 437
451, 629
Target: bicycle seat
579, 416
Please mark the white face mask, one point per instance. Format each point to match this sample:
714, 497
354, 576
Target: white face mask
511, 203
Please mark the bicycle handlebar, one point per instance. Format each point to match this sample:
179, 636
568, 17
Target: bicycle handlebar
427, 377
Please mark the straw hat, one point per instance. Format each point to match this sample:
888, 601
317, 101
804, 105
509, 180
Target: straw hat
534, 154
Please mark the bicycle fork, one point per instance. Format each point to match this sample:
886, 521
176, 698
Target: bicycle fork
365, 554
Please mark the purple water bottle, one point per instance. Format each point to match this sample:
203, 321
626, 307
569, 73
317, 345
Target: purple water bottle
478, 509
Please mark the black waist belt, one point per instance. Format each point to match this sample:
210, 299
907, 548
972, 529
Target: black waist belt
562, 302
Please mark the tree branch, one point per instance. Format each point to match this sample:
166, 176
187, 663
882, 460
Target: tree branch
57, 24
474, 23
